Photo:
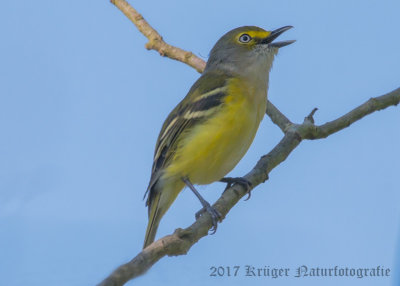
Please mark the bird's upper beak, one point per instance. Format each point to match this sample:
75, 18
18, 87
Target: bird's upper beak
275, 34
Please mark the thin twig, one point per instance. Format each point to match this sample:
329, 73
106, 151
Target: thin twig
278, 117
156, 42
372, 105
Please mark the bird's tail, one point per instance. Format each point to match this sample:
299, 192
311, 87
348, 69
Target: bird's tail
160, 201
154, 220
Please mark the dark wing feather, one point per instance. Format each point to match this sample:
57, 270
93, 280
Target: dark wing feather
176, 123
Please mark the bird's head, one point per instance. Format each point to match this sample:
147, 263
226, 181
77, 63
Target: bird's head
246, 47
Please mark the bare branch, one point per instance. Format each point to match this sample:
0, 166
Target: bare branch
372, 105
182, 240
156, 42
278, 117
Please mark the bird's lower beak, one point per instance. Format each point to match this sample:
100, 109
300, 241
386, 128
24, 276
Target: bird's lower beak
275, 34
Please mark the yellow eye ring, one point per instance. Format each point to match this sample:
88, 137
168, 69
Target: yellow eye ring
245, 38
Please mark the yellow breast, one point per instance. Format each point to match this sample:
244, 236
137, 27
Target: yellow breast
212, 149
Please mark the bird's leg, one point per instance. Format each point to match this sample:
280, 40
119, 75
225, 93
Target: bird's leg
215, 215
238, 180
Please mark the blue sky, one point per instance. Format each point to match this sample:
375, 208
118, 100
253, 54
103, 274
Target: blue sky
81, 105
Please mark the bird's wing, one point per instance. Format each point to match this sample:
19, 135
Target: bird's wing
204, 98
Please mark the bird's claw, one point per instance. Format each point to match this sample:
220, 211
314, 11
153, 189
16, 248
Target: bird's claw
238, 180
215, 216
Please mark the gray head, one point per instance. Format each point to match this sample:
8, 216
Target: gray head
246, 49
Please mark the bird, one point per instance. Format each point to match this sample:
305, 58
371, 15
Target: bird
211, 129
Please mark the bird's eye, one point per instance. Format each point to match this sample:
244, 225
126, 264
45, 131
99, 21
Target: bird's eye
244, 38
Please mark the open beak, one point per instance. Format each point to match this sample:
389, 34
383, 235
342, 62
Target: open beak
275, 34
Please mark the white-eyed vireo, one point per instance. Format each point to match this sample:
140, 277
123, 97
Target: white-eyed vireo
211, 129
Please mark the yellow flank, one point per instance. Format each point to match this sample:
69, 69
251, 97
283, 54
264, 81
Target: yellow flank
212, 149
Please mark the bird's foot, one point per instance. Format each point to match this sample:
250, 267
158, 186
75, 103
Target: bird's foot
215, 215
238, 180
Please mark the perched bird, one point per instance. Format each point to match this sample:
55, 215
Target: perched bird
211, 129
